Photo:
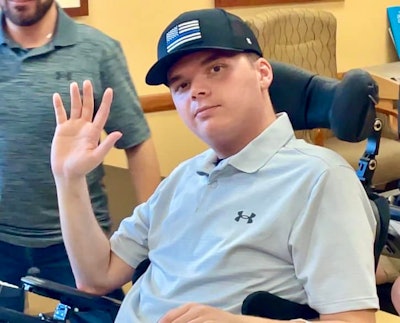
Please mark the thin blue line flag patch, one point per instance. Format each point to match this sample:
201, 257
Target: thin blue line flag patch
183, 33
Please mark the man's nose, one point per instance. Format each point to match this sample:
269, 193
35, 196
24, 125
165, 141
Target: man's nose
200, 87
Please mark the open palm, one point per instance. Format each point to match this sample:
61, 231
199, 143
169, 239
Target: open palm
75, 148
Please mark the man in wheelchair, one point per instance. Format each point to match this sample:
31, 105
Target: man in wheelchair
259, 211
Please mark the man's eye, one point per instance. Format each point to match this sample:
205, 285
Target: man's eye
181, 86
216, 68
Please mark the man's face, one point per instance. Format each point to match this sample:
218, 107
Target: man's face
220, 96
25, 12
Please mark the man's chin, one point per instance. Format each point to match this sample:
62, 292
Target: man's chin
27, 13
21, 19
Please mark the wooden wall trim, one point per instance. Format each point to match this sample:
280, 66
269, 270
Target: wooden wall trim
156, 102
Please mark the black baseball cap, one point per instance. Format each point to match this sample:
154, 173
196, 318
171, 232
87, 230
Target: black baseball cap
197, 30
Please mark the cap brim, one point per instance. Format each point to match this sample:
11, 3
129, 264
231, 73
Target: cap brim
158, 72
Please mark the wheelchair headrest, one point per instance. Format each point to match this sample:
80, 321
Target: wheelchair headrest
347, 107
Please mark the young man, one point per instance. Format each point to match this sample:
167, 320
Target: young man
258, 211
41, 51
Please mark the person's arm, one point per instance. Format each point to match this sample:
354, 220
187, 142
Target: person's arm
144, 169
127, 116
367, 316
75, 152
395, 295
202, 313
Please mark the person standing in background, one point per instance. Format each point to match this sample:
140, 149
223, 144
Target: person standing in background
42, 50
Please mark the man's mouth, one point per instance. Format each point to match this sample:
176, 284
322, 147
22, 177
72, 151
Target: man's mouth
20, 1
202, 109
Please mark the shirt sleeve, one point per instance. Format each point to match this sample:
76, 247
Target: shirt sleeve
130, 241
332, 243
126, 113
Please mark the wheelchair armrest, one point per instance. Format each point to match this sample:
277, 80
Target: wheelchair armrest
392, 246
265, 304
395, 212
70, 296
8, 316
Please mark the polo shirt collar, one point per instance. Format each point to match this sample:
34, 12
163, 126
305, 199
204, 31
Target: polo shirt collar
2, 35
258, 152
65, 33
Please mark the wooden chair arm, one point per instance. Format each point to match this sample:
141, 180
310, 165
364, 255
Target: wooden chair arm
388, 108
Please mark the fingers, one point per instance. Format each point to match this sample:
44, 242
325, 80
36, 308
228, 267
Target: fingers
88, 101
106, 145
59, 110
76, 102
84, 107
198, 313
104, 109
179, 314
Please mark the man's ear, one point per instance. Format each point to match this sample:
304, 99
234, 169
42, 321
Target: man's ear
265, 72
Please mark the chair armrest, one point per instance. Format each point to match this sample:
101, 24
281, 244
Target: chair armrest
70, 296
388, 108
265, 304
12, 316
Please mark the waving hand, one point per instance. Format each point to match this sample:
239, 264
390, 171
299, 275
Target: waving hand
75, 148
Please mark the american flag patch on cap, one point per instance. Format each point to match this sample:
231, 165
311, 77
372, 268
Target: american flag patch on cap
183, 33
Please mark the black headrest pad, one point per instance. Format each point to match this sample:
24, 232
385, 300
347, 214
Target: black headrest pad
353, 108
312, 101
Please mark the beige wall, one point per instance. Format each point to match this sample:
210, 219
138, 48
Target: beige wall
362, 41
362, 36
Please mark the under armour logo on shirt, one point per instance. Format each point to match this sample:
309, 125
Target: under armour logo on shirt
249, 218
64, 75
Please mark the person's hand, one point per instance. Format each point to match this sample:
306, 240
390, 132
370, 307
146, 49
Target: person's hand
75, 148
198, 313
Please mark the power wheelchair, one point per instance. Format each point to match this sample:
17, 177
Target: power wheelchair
347, 107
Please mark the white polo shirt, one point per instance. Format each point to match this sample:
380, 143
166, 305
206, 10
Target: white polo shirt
281, 216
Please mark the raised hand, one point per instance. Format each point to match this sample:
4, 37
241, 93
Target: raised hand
75, 148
